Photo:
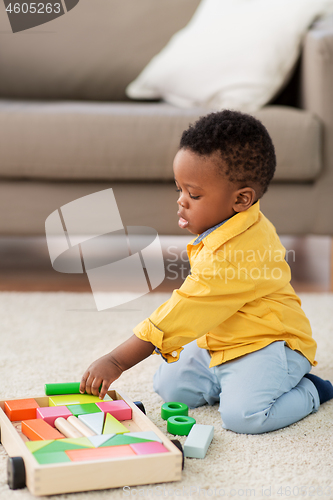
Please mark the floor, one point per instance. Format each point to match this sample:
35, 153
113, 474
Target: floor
25, 265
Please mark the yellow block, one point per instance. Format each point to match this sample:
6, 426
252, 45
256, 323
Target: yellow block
83, 441
75, 399
113, 426
37, 445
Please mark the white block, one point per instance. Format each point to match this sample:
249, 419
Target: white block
94, 421
150, 435
198, 440
99, 440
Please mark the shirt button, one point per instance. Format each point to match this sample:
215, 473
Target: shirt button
174, 354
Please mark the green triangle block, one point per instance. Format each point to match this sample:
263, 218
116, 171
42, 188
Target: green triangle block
59, 445
82, 441
84, 409
113, 426
34, 446
120, 439
52, 458
147, 435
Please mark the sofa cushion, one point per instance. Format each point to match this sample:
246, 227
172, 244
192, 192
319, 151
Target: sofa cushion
92, 52
131, 141
219, 59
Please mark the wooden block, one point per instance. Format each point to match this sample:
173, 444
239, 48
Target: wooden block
52, 458
95, 421
98, 440
37, 445
50, 413
118, 408
66, 428
113, 426
21, 409
75, 399
147, 435
84, 409
38, 429
148, 448
62, 388
120, 439
82, 441
100, 453
198, 441
80, 426
61, 445
65, 388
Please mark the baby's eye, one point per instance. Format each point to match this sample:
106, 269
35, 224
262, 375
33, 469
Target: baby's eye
178, 190
194, 197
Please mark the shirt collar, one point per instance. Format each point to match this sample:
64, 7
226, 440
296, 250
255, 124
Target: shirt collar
208, 231
217, 235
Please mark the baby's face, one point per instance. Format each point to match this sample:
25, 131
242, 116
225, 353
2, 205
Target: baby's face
206, 197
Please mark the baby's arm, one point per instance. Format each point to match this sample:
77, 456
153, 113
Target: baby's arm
108, 368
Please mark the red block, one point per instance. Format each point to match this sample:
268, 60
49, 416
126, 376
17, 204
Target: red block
38, 430
21, 409
117, 408
99, 453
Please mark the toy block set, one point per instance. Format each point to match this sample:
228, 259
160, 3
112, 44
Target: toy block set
62, 443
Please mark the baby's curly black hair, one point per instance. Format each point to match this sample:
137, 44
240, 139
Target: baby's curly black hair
246, 149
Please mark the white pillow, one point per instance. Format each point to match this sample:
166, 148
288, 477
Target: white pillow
233, 54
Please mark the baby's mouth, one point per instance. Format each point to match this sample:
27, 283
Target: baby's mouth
182, 223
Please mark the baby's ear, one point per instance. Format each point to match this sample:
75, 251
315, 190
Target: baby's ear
245, 197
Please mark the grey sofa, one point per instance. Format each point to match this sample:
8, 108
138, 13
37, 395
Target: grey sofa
68, 130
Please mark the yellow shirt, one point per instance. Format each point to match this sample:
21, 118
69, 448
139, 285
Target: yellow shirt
237, 299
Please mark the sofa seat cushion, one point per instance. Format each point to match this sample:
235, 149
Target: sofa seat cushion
72, 140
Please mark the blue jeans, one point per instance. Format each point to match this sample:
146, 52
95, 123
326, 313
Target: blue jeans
259, 392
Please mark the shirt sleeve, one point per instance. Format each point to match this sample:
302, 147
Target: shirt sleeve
209, 296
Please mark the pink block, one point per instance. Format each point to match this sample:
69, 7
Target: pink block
117, 408
50, 413
148, 448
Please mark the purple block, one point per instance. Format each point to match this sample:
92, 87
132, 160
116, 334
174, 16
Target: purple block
50, 413
148, 448
117, 408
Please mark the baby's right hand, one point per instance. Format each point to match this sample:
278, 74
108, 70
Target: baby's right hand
101, 373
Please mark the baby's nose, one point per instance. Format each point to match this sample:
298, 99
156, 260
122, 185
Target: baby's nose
181, 200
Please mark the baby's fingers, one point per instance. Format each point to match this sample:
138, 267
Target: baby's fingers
103, 389
93, 384
89, 383
83, 382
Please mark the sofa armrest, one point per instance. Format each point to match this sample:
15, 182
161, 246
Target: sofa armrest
317, 81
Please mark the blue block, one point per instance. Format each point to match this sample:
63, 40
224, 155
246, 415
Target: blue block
198, 440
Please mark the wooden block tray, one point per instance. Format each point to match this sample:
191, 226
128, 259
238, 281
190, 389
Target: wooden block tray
50, 479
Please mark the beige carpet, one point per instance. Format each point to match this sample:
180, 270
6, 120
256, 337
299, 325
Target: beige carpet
52, 337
